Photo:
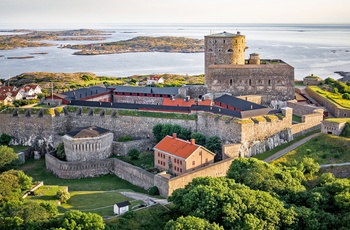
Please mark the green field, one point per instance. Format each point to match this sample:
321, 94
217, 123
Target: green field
324, 149
154, 217
37, 170
336, 98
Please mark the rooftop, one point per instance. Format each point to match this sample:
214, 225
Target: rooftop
224, 34
82, 93
238, 103
145, 90
86, 132
176, 146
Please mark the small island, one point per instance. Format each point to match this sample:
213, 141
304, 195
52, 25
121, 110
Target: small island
143, 44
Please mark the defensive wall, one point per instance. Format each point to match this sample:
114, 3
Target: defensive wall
301, 109
122, 148
331, 107
310, 122
29, 129
131, 173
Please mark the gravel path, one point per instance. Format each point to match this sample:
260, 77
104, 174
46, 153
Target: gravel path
144, 197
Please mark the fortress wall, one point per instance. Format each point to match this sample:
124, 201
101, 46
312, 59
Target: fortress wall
27, 130
133, 174
77, 170
122, 148
271, 81
218, 169
301, 109
332, 108
138, 100
310, 122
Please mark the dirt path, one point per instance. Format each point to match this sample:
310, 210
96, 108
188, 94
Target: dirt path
290, 148
144, 197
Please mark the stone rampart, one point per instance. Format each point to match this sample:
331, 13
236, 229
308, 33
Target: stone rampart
218, 169
331, 107
310, 122
138, 100
77, 170
122, 148
301, 109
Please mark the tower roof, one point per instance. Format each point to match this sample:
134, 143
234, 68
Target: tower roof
224, 34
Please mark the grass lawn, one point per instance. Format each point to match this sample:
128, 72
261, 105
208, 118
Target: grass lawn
264, 155
37, 170
18, 148
334, 97
154, 217
324, 149
145, 161
297, 118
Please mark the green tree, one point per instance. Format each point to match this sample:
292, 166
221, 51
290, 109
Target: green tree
77, 220
214, 144
191, 222
7, 155
5, 139
63, 196
309, 166
134, 154
346, 96
200, 138
60, 151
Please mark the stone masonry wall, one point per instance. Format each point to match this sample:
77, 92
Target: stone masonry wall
122, 148
332, 108
301, 109
310, 122
138, 100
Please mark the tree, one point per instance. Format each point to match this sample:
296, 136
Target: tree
346, 96
200, 138
77, 220
5, 139
7, 155
12, 183
134, 154
214, 144
63, 196
309, 166
60, 151
191, 222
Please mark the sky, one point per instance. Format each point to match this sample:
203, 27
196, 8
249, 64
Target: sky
174, 11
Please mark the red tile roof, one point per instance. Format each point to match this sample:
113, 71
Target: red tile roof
177, 147
183, 102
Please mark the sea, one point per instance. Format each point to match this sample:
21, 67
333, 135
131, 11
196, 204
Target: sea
311, 49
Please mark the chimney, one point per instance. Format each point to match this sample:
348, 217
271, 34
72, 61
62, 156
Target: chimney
174, 135
193, 141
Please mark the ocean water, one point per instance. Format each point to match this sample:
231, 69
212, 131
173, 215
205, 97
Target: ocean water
310, 49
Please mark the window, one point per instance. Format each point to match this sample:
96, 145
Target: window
193, 163
231, 82
269, 82
250, 82
180, 162
229, 51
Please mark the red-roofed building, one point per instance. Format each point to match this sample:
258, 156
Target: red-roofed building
154, 80
184, 102
178, 156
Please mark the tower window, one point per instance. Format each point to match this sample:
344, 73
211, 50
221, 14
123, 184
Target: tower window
224, 41
229, 50
210, 50
269, 82
230, 82
250, 82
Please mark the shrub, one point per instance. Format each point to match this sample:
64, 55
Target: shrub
63, 196
125, 139
346, 96
153, 191
60, 151
5, 139
134, 154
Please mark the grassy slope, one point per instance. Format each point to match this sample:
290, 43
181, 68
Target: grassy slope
336, 98
324, 149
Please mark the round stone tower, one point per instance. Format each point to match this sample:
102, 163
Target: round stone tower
254, 59
224, 49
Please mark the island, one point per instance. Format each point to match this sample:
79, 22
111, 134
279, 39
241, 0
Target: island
143, 44
33, 38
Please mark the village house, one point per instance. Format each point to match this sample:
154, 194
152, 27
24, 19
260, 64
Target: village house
152, 80
31, 91
6, 99
179, 156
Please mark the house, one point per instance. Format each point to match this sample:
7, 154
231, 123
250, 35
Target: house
152, 80
6, 99
179, 156
120, 208
31, 91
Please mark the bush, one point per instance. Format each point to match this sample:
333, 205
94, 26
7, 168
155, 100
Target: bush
346, 96
125, 139
63, 196
134, 154
60, 151
346, 130
5, 139
153, 191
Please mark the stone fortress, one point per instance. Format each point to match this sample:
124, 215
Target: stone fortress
226, 72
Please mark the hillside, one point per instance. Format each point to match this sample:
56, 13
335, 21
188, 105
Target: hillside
64, 81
